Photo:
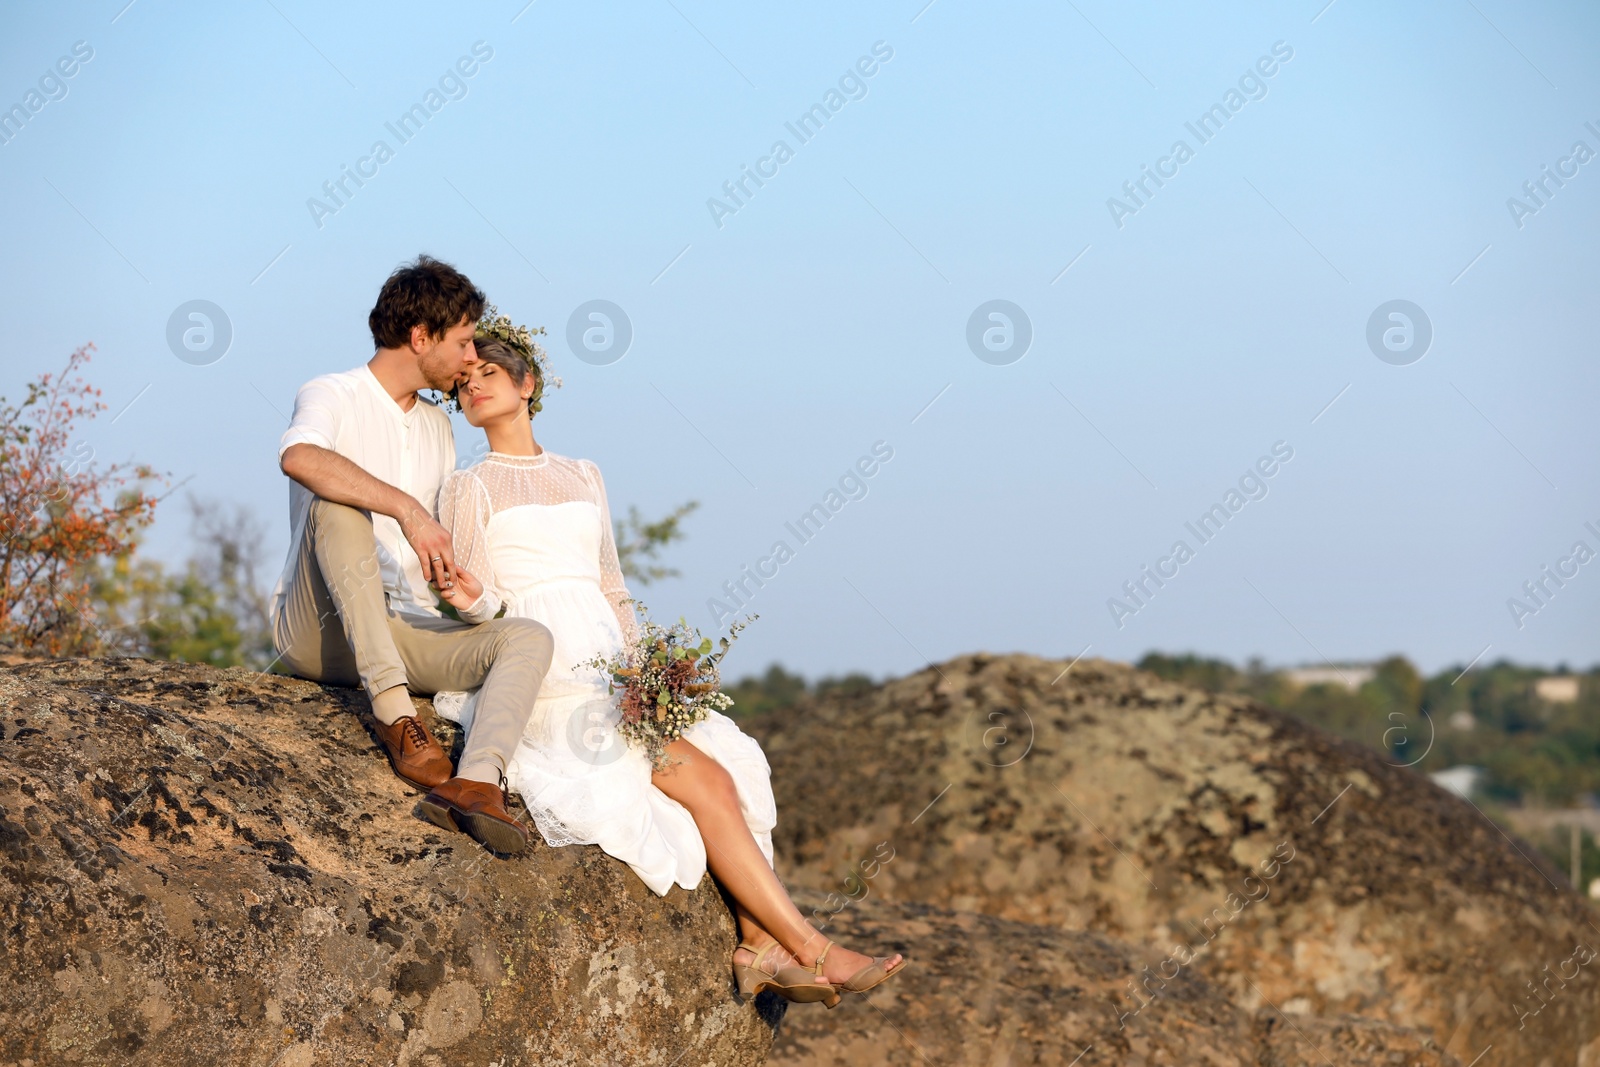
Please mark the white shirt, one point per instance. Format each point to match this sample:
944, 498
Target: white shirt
352, 414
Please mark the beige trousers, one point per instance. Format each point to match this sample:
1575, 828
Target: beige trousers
336, 627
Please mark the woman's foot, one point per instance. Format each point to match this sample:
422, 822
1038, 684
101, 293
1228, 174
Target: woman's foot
777, 959
768, 965
841, 964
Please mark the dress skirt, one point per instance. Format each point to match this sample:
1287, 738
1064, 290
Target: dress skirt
583, 784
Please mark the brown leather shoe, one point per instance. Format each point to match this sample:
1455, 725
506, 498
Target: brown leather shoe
416, 756
477, 809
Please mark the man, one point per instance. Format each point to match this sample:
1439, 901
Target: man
355, 604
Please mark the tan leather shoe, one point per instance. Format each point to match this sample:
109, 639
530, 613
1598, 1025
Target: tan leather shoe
416, 756
477, 809
793, 982
864, 979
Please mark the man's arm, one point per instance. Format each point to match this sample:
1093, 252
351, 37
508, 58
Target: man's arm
331, 476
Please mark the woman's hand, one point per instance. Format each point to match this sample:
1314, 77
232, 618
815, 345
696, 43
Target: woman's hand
460, 591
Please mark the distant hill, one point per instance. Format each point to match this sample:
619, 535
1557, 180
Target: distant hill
1292, 872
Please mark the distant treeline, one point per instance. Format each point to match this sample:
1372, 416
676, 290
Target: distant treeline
759, 694
1533, 750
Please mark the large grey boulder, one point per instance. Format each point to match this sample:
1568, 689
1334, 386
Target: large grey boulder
1292, 872
202, 868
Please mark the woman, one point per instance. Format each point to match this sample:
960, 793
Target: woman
532, 534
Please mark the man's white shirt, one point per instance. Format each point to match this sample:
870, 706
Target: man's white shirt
352, 414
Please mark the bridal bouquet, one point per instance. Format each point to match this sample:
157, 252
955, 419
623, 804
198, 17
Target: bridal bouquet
668, 681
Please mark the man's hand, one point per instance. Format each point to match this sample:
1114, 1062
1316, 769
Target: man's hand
333, 477
431, 542
462, 591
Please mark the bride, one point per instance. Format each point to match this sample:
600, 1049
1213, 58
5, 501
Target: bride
532, 534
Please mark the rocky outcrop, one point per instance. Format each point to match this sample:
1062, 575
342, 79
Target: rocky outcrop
202, 867
1092, 867
1302, 880
986, 991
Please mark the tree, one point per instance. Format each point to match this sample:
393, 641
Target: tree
56, 523
639, 541
779, 689
160, 615
212, 611
230, 555
1214, 675
756, 695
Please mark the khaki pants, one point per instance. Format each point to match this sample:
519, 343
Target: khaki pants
336, 627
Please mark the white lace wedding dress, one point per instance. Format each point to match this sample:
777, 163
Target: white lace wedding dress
536, 530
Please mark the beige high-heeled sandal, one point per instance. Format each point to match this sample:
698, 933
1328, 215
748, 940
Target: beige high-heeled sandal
794, 983
866, 978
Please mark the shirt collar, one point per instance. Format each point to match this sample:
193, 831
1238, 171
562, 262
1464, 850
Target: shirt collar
390, 403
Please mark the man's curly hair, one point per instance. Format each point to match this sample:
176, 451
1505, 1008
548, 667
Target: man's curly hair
428, 293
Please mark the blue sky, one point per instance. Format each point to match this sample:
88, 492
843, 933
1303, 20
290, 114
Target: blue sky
830, 311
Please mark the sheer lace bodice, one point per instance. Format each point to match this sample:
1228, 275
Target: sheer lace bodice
471, 499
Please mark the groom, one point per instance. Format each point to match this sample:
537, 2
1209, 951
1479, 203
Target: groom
355, 604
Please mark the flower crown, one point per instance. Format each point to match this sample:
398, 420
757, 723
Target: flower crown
520, 340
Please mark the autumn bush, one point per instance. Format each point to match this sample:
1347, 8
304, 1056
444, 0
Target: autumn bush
61, 515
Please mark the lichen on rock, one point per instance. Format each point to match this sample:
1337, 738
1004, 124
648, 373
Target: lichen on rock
204, 867
1396, 925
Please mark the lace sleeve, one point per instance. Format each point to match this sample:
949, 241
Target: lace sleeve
611, 580
464, 510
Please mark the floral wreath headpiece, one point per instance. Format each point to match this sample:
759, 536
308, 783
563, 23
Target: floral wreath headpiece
520, 340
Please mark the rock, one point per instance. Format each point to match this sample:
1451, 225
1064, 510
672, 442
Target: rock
1294, 870
984, 990
203, 867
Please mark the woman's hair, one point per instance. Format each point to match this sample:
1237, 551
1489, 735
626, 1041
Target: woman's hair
493, 350
426, 292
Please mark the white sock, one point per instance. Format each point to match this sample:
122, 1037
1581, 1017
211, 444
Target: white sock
486, 771
392, 705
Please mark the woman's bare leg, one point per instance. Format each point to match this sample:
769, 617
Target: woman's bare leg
765, 911
751, 932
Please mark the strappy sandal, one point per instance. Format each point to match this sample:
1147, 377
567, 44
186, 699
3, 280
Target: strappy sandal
794, 983
864, 979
